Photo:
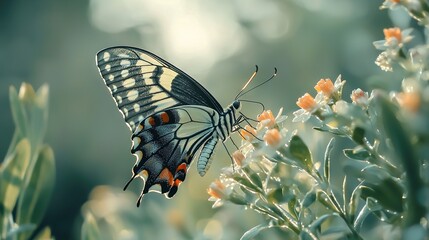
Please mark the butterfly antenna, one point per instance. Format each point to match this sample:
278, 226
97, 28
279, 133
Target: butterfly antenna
256, 102
241, 93
248, 81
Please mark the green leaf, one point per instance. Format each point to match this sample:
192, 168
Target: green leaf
403, 147
387, 192
35, 196
369, 207
316, 225
356, 154
90, 229
354, 203
309, 199
11, 180
39, 116
280, 195
327, 160
334, 131
246, 183
18, 113
300, 151
20, 229
44, 234
358, 135
292, 207
255, 231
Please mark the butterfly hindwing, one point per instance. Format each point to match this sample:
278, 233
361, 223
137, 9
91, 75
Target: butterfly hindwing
142, 84
165, 144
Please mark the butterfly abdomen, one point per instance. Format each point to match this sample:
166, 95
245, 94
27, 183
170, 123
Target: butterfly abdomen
206, 154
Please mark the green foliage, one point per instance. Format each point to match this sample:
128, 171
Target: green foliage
386, 165
27, 174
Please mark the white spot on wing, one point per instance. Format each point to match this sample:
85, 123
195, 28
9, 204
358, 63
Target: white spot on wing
124, 73
148, 69
125, 112
111, 77
107, 67
125, 63
166, 79
136, 107
159, 96
132, 124
149, 81
149, 59
132, 95
119, 99
136, 142
138, 129
140, 119
129, 82
138, 154
106, 56
155, 89
123, 55
114, 88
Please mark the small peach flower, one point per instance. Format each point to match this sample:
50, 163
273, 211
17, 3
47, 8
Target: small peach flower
392, 33
308, 105
409, 100
359, 97
238, 157
216, 189
306, 102
325, 86
268, 117
394, 38
248, 133
273, 137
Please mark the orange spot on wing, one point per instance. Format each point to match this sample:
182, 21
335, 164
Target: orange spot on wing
151, 121
166, 174
164, 117
181, 167
177, 182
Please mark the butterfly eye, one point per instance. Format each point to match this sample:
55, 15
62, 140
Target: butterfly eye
236, 104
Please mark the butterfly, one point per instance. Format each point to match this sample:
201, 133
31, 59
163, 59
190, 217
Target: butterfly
170, 114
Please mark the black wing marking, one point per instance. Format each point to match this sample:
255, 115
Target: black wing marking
142, 83
165, 144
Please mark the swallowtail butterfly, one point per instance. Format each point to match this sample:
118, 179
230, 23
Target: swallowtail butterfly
171, 116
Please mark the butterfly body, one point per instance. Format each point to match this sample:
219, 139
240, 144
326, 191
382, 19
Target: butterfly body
171, 115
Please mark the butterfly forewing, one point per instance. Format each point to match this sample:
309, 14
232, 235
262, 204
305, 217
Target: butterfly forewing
141, 84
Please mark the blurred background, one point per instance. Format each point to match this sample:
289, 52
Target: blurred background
216, 42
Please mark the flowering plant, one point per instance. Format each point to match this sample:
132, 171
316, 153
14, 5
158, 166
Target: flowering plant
385, 179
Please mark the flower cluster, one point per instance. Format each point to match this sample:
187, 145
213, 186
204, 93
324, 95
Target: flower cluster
276, 174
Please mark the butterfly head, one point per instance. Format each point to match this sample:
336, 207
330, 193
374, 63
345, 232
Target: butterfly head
236, 105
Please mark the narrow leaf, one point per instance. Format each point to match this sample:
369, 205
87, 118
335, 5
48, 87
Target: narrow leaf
358, 135
356, 154
327, 162
44, 234
11, 179
36, 195
300, 151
